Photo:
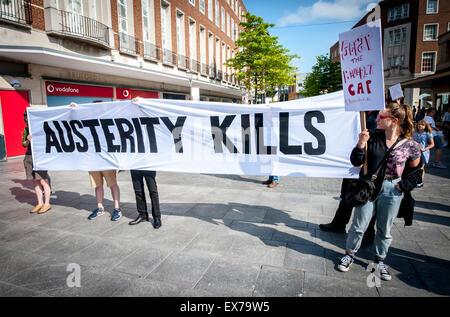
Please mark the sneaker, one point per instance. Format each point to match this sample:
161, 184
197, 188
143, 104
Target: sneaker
116, 214
384, 274
420, 185
439, 165
95, 213
345, 262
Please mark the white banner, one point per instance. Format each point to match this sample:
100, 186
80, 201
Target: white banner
362, 68
310, 137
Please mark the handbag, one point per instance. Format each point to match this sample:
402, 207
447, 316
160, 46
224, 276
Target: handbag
360, 190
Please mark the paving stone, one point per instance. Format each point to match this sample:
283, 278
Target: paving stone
65, 247
173, 269
326, 286
231, 278
148, 288
276, 282
305, 258
143, 261
8, 290
104, 254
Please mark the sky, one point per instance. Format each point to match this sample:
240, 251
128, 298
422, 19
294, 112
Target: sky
309, 28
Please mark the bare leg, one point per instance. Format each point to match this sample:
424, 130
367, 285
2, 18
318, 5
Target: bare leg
99, 194
115, 192
38, 191
46, 188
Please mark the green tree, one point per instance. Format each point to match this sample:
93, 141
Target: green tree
325, 77
261, 63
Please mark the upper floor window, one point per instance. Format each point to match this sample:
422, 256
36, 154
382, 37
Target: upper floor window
202, 6
223, 20
397, 37
192, 2
400, 12
123, 21
217, 13
210, 10
430, 32
432, 6
428, 62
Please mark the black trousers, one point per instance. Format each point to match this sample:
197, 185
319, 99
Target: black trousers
137, 177
344, 212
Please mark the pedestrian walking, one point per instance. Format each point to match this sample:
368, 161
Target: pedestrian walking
272, 182
437, 140
424, 137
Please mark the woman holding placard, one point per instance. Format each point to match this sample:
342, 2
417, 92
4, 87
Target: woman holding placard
395, 128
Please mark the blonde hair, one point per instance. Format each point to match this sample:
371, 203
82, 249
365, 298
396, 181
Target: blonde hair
404, 115
427, 126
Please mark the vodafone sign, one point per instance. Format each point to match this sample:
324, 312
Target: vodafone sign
61, 89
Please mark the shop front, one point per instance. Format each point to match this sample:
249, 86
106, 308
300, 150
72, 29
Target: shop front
13, 104
60, 94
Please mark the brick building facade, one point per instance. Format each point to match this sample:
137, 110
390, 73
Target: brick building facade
151, 48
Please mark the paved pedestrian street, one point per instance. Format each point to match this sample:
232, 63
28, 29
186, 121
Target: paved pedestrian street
221, 235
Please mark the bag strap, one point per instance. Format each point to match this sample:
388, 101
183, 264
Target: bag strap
374, 175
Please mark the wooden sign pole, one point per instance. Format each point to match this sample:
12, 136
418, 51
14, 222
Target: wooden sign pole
362, 117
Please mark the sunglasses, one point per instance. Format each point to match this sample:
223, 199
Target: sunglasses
381, 117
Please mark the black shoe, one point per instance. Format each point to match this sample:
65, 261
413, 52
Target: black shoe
330, 227
367, 241
139, 219
157, 223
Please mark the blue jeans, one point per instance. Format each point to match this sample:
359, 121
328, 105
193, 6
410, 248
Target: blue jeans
386, 207
274, 179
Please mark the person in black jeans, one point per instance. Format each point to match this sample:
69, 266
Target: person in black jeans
344, 212
137, 177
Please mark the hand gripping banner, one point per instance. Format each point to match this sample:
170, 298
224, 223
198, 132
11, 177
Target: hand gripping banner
310, 137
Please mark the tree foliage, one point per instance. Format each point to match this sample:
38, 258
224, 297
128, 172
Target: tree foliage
261, 63
325, 77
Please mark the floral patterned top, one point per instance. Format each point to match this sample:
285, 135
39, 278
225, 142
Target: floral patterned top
397, 158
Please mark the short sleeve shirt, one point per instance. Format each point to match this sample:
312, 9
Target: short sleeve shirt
400, 155
430, 120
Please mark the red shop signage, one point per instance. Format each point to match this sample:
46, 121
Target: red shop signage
60, 89
127, 93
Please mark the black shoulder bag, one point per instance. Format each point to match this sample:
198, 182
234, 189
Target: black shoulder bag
360, 190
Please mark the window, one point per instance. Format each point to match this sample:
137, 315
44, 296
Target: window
428, 62
217, 13
192, 2
123, 23
148, 24
432, 6
180, 33
203, 45
397, 13
192, 40
228, 25
430, 32
232, 30
211, 49
202, 6
223, 20
232, 5
210, 10
397, 37
166, 33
